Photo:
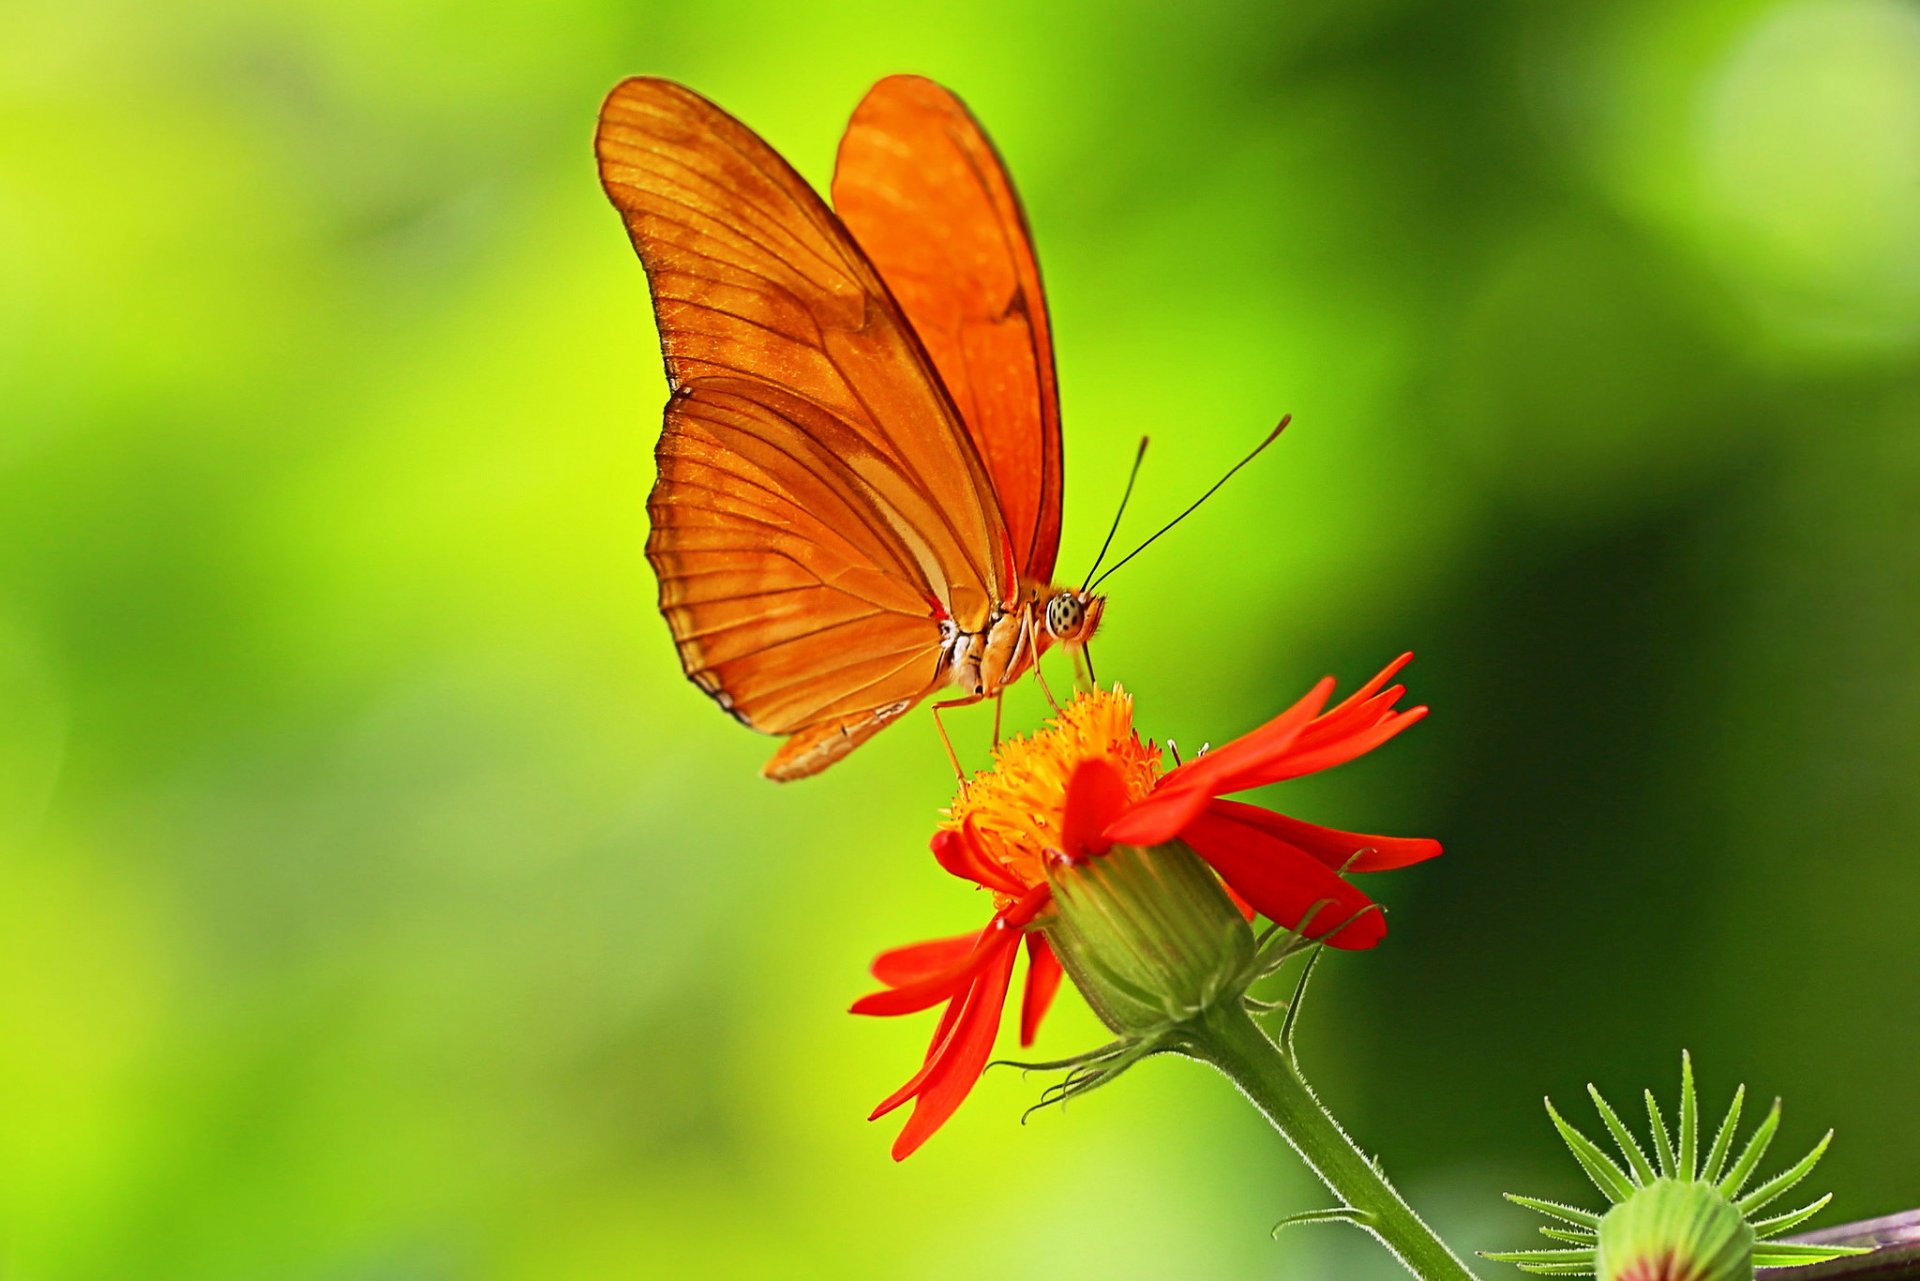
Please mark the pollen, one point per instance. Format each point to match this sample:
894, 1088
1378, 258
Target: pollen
1014, 808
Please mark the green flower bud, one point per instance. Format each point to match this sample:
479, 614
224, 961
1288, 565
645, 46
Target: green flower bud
1673, 1231
1148, 936
1682, 1214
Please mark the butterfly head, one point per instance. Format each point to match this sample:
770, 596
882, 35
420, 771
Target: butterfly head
1073, 616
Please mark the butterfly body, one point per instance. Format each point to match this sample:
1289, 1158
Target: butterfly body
982, 664
859, 494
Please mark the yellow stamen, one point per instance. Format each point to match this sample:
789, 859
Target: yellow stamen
1015, 807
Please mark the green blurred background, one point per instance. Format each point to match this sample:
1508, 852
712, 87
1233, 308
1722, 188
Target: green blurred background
378, 901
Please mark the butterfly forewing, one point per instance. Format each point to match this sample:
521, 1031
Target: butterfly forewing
926, 196
820, 508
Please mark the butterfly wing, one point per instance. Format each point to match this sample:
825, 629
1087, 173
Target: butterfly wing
820, 508
925, 194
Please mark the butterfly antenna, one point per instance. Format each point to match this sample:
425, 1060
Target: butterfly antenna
1115, 527
1257, 449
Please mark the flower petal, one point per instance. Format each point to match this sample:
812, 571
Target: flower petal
1215, 771
1096, 795
942, 1032
1159, 817
1286, 884
1341, 851
1371, 688
932, 987
958, 1060
917, 960
1338, 750
959, 853
1301, 740
1043, 980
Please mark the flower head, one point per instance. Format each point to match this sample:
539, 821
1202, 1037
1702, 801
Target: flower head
1012, 817
1087, 783
1680, 1216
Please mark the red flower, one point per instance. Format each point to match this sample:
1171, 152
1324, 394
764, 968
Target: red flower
1087, 783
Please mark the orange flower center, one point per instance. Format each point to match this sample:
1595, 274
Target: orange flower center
1015, 807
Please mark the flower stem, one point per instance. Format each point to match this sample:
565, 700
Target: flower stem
1228, 1038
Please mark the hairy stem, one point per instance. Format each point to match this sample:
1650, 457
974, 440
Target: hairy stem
1227, 1037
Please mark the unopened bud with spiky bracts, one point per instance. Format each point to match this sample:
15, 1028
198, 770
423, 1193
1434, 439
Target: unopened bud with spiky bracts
1676, 1217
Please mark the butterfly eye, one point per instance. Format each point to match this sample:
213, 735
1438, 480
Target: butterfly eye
1065, 613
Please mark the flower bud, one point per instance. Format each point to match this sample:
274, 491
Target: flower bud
1148, 935
1674, 1231
1688, 1218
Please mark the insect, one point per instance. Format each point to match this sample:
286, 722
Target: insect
859, 493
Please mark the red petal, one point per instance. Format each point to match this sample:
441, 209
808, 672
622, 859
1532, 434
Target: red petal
943, 1035
959, 853
1159, 817
917, 960
1285, 883
1351, 851
1311, 759
1301, 740
1096, 795
1368, 690
1217, 771
1043, 980
957, 1063
932, 987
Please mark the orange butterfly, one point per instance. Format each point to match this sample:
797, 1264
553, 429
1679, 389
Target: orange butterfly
859, 492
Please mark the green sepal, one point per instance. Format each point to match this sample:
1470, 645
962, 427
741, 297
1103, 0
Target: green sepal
1788, 1254
1662, 1141
1750, 1155
1524, 1257
1556, 1209
1773, 1227
1773, 1188
1641, 1169
1291, 1022
1607, 1176
1689, 1122
1098, 1069
1723, 1140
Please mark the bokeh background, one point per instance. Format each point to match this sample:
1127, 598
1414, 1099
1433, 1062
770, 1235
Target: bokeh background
378, 901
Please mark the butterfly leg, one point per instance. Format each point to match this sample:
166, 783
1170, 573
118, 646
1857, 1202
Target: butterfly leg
953, 757
1042, 678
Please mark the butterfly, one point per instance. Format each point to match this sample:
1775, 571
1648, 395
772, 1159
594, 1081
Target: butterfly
859, 491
